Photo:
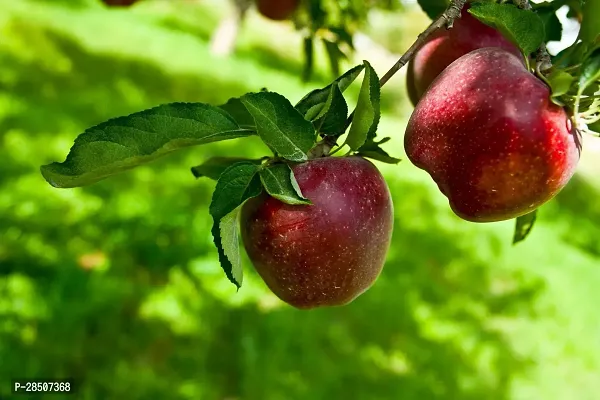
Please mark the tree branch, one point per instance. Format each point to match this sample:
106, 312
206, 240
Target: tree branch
445, 20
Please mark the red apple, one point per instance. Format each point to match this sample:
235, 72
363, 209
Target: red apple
489, 136
327, 253
119, 3
277, 10
447, 45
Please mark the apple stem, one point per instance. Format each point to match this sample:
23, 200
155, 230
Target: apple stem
322, 148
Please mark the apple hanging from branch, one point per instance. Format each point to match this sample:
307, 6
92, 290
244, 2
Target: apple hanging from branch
489, 135
329, 252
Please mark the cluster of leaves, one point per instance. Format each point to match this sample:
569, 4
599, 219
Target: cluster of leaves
293, 133
334, 23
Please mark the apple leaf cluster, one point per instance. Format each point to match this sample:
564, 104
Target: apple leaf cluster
332, 24
294, 134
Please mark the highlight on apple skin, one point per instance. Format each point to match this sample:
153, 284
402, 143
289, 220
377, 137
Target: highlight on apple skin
490, 137
327, 253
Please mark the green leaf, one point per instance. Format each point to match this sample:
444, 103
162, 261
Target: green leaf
552, 25
570, 56
590, 26
229, 229
595, 127
308, 47
215, 166
334, 54
433, 8
239, 112
331, 121
123, 143
279, 181
523, 226
311, 105
367, 112
560, 82
590, 70
235, 185
373, 150
523, 27
280, 125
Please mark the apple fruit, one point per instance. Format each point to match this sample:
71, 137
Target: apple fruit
490, 137
119, 3
447, 45
277, 10
327, 253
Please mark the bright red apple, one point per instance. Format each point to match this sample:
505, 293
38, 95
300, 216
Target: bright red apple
327, 253
277, 10
489, 136
119, 3
447, 45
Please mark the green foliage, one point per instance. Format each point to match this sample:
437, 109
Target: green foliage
310, 106
433, 8
280, 125
215, 166
560, 82
127, 142
331, 121
523, 226
590, 71
367, 113
524, 28
236, 184
372, 149
590, 29
552, 26
279, 181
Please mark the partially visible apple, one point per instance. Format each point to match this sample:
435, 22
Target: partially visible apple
277, 10
488, 134
447, 45
327, 253
119, 3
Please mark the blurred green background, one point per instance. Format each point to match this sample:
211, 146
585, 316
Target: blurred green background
118, 284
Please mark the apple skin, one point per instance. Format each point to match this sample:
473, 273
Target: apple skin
119, 3
447, 45
489, 136
327, 253
277, 10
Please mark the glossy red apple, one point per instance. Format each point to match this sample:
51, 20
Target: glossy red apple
119, 3
447, 45
277, 10
327, 253
489, 136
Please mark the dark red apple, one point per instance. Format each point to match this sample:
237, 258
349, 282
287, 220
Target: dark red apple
327, 253
277, 10
119, 3
489, 136
447, 45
